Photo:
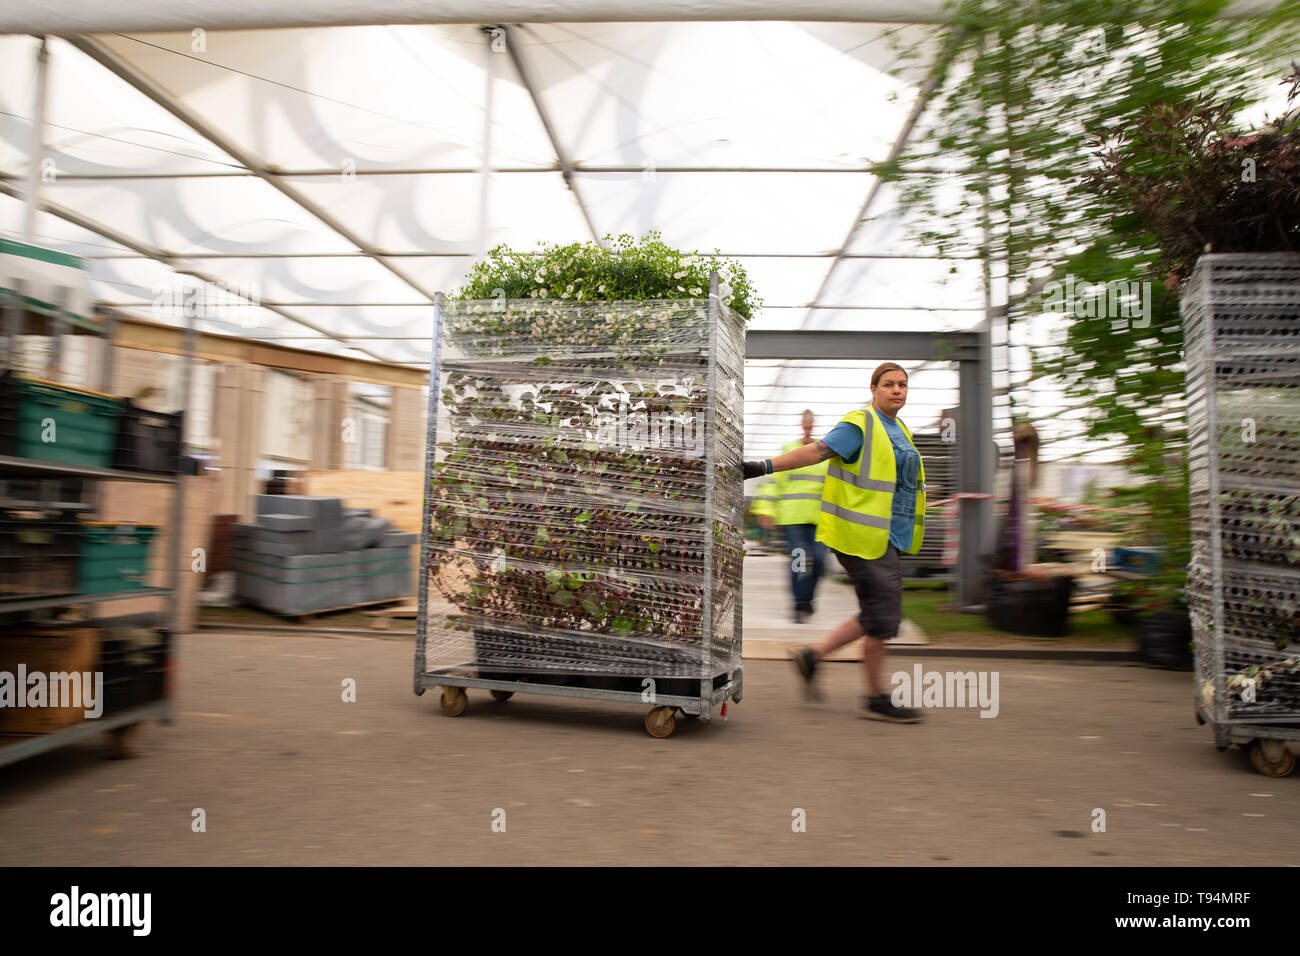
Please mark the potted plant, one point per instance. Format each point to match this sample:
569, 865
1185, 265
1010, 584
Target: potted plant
568, 498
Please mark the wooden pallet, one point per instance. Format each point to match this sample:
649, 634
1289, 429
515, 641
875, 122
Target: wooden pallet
308, 615
382, 618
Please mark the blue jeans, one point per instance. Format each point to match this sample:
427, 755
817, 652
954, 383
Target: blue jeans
807, 561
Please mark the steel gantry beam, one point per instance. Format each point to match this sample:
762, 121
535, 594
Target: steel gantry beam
577, 167
908, 346
125, 16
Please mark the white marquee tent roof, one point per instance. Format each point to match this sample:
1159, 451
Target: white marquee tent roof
335, 172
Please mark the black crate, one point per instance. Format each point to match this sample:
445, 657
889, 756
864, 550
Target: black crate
1035, 607
49, 494
9, 405
39, 555
599, 661
134, 670
149, 441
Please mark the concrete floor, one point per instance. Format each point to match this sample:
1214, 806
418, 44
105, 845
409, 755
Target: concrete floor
289, 774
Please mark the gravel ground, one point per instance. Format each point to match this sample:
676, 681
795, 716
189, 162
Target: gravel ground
287, 773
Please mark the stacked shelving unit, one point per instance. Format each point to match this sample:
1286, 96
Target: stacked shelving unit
55, 555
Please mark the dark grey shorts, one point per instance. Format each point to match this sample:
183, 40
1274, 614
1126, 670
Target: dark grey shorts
879, 586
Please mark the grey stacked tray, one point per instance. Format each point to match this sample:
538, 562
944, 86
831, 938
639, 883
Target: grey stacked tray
364, 532
297, 584
306, 554
325, 518
387, 573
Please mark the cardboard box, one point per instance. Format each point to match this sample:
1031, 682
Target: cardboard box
47, 651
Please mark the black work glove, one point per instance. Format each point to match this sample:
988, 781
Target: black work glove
756, 469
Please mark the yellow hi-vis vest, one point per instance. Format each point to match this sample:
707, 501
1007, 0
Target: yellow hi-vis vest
858, 502
764, 500
798, 492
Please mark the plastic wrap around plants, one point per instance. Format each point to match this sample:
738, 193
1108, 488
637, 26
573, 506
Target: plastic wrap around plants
1242, 320
586, 498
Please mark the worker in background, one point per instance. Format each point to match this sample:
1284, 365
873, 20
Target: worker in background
872, 508
797, 501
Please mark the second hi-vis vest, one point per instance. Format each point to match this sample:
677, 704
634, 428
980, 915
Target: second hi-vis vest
764, 499
858, 502
798, 492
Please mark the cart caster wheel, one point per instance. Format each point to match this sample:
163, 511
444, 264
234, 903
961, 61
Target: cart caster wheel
454, 701
1199, 719
121, 742
1271, 758
690, 716
503, 695
660, 721
419, 692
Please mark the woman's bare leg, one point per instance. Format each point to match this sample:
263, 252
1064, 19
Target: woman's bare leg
846, 633
873, 656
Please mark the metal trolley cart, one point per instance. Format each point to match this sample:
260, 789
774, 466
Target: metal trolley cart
1240, 313
583, 514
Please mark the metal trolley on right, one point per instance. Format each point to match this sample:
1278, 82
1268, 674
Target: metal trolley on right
1240, 316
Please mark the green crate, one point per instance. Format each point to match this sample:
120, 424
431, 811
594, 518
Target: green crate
82, 424
114, 558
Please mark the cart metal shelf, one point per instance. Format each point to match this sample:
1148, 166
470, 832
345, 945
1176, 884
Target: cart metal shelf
41, 743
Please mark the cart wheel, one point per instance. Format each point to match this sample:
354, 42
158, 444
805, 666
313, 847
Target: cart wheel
503, 695
120, 742
739, 678
660, 721
1271, 758
690, 716
454, 701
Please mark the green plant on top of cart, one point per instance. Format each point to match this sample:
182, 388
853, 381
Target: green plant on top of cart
626, 270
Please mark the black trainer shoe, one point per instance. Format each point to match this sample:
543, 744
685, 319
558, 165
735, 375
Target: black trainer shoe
805, 661
883, 708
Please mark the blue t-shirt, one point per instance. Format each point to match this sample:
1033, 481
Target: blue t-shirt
845, 439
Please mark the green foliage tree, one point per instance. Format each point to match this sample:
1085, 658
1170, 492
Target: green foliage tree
1026, 97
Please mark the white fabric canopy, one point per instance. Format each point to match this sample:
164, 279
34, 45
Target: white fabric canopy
333, 174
